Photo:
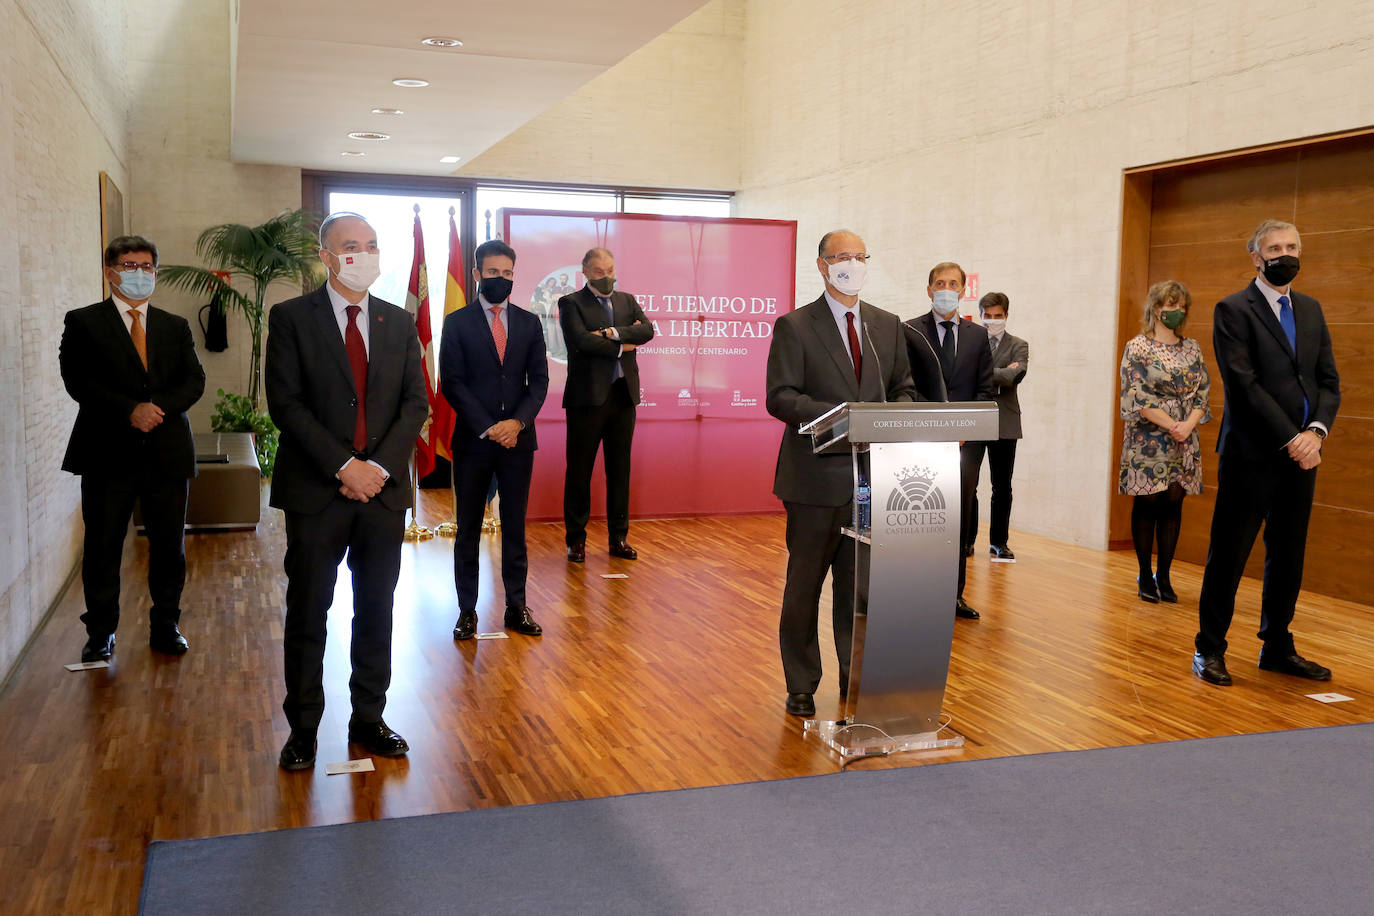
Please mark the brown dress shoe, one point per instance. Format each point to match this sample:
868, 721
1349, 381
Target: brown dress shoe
623, 550
577, 553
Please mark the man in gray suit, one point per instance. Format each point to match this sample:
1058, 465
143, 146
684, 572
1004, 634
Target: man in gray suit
833, 350
1010, 359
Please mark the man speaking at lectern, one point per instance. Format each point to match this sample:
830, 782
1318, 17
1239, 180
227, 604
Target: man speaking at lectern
834, 350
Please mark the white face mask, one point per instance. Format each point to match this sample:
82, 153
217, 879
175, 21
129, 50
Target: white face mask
945, 302
848, 276
358, 269
995, 326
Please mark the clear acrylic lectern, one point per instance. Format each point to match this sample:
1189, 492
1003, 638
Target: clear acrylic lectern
905, 577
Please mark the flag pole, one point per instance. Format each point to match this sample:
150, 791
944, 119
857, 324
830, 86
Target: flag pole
449, 529
415, 531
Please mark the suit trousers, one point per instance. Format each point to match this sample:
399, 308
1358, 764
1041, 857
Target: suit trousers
1273, 491
815, 547
1001, 464
610, 426
970, 457
370, 535
107, 504
473, 472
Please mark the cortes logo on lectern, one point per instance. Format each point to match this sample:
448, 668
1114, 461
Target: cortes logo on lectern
916, 505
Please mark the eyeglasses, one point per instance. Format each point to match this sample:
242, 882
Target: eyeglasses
840, 258
130, 265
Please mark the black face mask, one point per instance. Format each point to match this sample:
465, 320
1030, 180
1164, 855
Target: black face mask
1281, 270
496, 289
603, 285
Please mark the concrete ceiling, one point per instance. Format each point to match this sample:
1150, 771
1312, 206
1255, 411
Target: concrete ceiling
307, 74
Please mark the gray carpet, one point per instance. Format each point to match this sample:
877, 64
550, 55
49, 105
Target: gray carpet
1273, 823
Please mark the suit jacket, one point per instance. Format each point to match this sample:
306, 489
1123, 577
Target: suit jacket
1265, 380
1010, 349
591, 357
103, 374
484, 390
809, 373
971, 378
311, 398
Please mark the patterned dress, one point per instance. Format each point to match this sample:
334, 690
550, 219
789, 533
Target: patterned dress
1172, 378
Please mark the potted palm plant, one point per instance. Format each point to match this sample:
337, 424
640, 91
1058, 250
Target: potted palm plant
283, 248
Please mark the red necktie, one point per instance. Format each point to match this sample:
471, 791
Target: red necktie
357, 359
854, 352
498, 333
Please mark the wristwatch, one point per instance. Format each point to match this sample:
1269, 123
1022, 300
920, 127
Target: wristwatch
1321, 433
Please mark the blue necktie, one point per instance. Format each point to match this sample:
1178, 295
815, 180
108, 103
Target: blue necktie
610, 318
1290, 330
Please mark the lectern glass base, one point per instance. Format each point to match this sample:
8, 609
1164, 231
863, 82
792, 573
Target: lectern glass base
850, 739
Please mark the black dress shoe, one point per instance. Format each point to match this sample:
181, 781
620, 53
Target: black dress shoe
377, 738
961, 609
801, 704
519, 620
1212, 669
623, 550
1145, 588
1001, 553
968, 550
98, 648
299, 751
168, 640
1294, 664
466, 627
1165, 589
577, 553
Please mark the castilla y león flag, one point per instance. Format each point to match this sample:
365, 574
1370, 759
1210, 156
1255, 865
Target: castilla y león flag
417, 303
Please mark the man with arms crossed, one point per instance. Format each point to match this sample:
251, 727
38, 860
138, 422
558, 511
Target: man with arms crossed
1010, 360
345, 387
833, 350
1274, 357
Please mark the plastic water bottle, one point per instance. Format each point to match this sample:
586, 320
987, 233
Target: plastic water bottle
862, 498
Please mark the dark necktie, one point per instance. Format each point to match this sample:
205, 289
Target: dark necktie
610, 318
357, 361
947, 350
854, 352
1290, 330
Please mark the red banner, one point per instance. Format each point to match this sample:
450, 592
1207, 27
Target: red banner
704, 444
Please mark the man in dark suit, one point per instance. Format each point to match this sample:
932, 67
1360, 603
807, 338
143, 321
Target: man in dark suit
494, 371
345, 386
833, 350
1010, 360
1282, 392
133, 372
966, 364
602, 328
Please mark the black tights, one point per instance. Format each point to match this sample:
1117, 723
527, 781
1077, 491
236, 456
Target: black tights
1157, 516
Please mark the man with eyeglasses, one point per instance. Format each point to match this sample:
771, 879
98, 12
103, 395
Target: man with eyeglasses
835, 349
966, 364
133, 372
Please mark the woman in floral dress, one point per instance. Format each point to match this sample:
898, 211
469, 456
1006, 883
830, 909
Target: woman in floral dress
1164, 388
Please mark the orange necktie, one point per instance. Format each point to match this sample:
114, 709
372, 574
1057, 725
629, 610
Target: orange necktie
140, 339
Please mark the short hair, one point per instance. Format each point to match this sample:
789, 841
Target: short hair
491, 248
1167, 292
944, 266
128, 244
594, 253
1266, 227
992, 300
329, 221
820, 248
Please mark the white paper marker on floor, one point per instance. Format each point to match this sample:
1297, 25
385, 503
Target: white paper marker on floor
615, 576
363, 765
493, 636
1329, 697
86, 666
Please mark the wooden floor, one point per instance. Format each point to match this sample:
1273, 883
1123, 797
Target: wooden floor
664, 680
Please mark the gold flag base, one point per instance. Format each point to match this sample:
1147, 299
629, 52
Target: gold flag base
446, 530
417, 532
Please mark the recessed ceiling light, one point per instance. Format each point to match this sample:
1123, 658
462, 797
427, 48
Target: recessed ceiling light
352, 152
437, 42
368, 135
388, 111
408, 83
449, 159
